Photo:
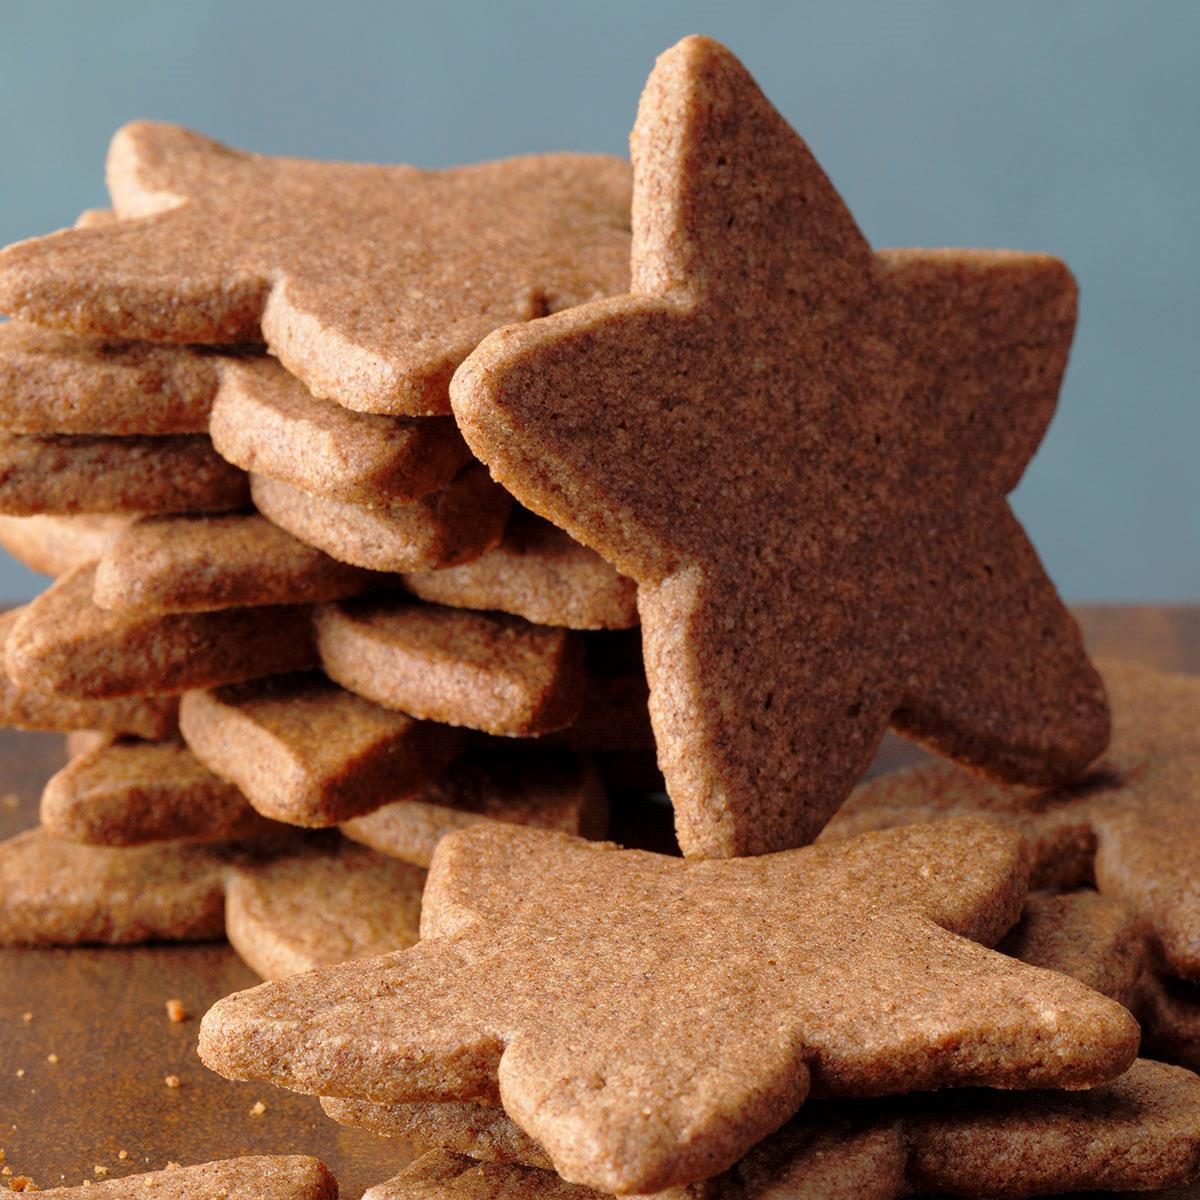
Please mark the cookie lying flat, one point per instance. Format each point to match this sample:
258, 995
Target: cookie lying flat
23, 707
63, 474
647, 1020
128, 793
253, 1177
450, 526
53, 545
63, 643
203, 564
545, 788
1133, 821
305, 751
53, 383
487, 671
789, 440
539, 573
330, 904
234, 247
267, 421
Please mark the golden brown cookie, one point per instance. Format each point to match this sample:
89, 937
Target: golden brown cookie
454, 525
550, 789
63, 643
368, 283
647, 1020
791, 441
253, 1177
23, 707
61, 474
52, 545
128, 792
203, 564
305, 751
268, 422
54, 383
1132, 822
539, 573
486, 671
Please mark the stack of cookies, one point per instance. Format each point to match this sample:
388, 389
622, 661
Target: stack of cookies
798, 450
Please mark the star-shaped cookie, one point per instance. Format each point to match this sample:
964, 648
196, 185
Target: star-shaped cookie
370, 283
648, 1019
800, 449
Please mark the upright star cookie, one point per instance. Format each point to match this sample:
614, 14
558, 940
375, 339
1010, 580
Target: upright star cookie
800, 449
369, 283
647, 1019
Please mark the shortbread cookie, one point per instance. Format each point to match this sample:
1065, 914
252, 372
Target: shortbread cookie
647, 1020
328, 904
64, 644
538, 573
1132, 822
23, 707
254, 1177
790, 441
545, 788
128, 793
487, 671
61, 474
202, 564
368, 283
53, 383
305, 751
267, 421
53, 545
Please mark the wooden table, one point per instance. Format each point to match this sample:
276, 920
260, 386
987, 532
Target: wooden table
102, 1011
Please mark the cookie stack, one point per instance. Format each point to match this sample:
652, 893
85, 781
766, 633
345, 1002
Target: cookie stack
800, 450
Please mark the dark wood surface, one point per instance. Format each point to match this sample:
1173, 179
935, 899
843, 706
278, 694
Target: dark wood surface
102, 1011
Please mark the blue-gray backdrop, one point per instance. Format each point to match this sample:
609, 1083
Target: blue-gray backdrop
1072, 127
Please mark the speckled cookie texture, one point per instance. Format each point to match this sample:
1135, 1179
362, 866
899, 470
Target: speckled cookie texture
800, 449
253, 1177
208, 563
51, 382
1132, 822
62, 643
358, 278
454, 525
539, 573
550, 789
268, 422
308, 752
52, 545
647, 1020
486, 671
74, 473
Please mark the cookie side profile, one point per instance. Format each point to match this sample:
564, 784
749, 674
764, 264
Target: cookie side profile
52, 545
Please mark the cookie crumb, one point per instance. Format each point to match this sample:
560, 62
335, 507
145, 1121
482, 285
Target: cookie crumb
27, 1017
22, 1183
122, 1154
52, 1059
258, 1109
172, 1165
20, 1072
100, 1170
175, 1010
172, 1081
6, 1171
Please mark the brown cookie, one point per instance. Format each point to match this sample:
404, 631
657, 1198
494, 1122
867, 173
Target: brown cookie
487, 671
548, 789
253, 1177
54, 383
63, 643
454, 525
1132, 823
23, 707
127, 793
203, 564
647, 1020
53, 545
61, 474
791, 441
268, 422
305, 751
220, 246
539, 573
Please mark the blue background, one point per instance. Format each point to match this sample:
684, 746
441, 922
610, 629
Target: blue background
1067, 127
